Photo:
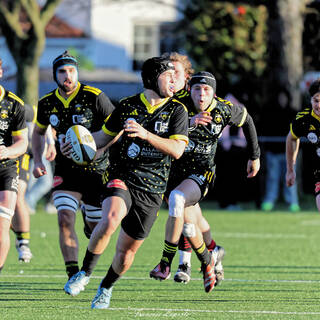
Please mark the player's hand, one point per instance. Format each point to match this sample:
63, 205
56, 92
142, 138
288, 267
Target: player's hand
253, 168
65, 147
135, 130
4, 152
51, 152
202, 118
39, 169
290, 178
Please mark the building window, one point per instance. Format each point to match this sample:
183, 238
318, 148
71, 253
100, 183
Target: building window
146, 44
169, 38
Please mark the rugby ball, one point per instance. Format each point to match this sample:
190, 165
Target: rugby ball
83, 145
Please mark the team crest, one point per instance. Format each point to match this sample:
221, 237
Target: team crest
312, 137
78, 107
4, 114
164, 115
217, 118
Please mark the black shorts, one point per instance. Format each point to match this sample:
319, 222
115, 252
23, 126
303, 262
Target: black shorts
204, 180
143, 208
9, 178
88, 183
24, 167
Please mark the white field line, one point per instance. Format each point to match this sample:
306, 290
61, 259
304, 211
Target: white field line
22, 275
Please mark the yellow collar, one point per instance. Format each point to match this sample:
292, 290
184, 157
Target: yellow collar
66, 102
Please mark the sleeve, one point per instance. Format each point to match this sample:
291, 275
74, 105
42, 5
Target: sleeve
250, 133
178, 128
104, 106
113, 124
42, 121
238, 114
19, 123
297, 129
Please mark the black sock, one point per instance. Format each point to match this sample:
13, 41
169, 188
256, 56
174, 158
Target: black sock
109, 280
168, 253
203, 254
71, 268
89, 262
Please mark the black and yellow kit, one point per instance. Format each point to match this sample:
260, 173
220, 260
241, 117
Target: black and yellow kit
137, 162
307, 125
87, 106
12, 123
198, 161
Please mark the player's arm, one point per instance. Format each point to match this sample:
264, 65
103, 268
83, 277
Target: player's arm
38, 144
292, 150
19, 146
172, 147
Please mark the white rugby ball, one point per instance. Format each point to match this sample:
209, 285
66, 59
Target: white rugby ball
83, 145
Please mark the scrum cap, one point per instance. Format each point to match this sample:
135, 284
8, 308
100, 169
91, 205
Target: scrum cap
204, 77
63, 59
151, 70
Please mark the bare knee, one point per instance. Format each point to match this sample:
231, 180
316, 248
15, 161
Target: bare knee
66, 219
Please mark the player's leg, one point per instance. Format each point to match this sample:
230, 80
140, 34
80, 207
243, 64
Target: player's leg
21, 224
7, 205
192, 231
67, 203
125, 252
186, 194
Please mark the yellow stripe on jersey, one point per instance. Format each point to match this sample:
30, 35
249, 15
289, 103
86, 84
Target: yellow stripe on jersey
294, 136
212, 105
42, 126
94, 90
66, 102
244, 117
180, 137
108, 132
47, 95
2, 92
19, 132
182, 94
13, 96
106, 119
151, 109
186, 109
315, 116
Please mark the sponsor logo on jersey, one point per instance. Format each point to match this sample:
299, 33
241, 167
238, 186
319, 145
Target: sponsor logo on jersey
203, 149
151, 153
199, 178
117, 183
79, 119
15, 183
190, 146
57, 180
134, 113
312, 128
216, 128
54, 120
133, 151
312, 137
4, 125
160, 127
54, 109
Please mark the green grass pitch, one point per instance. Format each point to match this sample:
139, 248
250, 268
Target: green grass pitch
272, 271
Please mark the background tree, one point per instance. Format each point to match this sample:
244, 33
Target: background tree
23, 24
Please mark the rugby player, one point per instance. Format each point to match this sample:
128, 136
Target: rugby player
13, 143
154, 130
194, 173
72, 103
307, 125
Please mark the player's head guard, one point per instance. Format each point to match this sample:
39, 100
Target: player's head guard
204, 77
151, 70
63, 59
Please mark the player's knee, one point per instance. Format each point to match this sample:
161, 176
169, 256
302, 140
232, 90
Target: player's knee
177, 201
65, 201
189, 230
6, 213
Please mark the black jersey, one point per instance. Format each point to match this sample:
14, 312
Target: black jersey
138, 163
307, 125
12, 120
199, 155
87, 106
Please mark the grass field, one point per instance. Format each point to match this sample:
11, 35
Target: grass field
272, 271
